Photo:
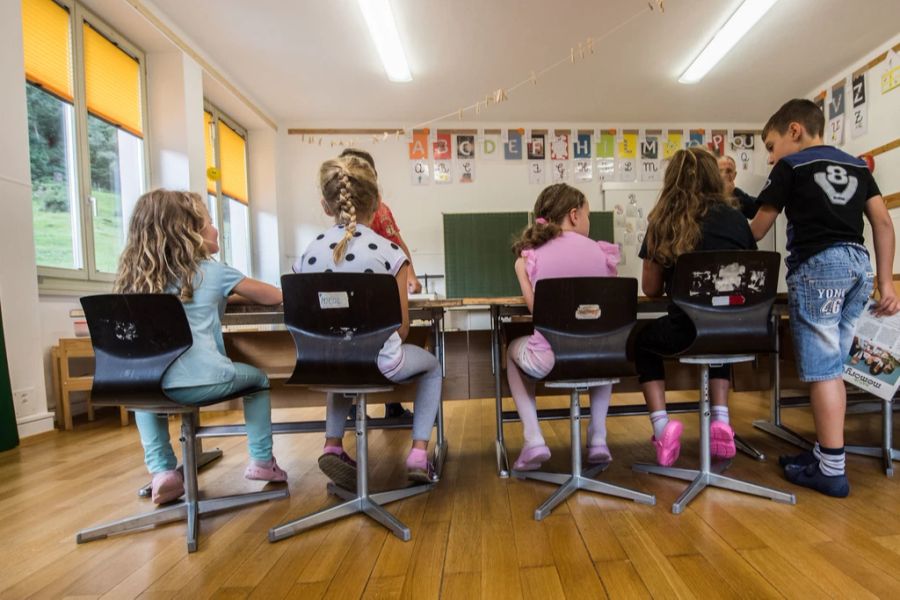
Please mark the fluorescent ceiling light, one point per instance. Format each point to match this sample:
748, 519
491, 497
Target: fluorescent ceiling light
384, 34
731, 33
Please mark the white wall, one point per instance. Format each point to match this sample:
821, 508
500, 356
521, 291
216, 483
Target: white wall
884, 126
499, 186
18, 274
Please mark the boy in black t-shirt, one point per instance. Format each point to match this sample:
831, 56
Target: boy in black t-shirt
824, 193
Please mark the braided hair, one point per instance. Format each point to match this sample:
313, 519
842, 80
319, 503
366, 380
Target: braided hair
350, 190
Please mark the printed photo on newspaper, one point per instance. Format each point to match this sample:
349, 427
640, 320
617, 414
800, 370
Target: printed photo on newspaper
873, 363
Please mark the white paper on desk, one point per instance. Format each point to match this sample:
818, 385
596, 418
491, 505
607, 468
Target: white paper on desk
873, 363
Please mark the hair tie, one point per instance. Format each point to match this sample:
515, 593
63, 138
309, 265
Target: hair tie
541, 220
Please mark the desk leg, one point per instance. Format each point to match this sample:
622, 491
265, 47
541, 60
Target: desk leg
57, 394
65, 393
502, 460
773, 426
123, 417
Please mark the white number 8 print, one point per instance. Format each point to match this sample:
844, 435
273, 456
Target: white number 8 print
836, 175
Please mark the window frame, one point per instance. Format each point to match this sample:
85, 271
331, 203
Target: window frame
221, 198
88, 278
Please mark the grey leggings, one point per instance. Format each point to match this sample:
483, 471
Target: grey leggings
416, 360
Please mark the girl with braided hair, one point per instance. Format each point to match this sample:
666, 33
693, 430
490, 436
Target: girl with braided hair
692, 213
350, 195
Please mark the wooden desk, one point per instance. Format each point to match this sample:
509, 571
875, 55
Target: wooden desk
64, 383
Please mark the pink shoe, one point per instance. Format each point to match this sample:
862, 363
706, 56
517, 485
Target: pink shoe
167, 486
267, 470
669, 446
531, 457
721, 440
599, 455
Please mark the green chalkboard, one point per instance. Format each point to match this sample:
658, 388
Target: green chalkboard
602, 227
478, 258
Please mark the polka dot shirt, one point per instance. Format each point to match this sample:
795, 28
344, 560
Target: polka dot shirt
367, 252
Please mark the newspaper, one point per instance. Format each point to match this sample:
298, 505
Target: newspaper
873, 363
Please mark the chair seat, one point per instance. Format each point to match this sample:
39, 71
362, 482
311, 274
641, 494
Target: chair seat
579, 383
163, 405
716, 359
352, 389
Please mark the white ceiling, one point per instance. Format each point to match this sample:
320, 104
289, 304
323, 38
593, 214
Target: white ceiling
311, 61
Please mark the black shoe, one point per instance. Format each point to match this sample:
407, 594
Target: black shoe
395, 410
351, 416
803, 459
837, 486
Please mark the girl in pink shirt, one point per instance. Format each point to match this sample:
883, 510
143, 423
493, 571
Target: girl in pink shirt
557, 245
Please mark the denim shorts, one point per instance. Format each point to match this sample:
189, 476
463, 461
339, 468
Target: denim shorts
826, 295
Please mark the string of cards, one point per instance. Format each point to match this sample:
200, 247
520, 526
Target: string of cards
580, 155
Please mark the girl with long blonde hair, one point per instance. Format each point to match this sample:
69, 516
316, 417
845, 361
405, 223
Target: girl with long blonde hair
692, 213
350, 195
171, 240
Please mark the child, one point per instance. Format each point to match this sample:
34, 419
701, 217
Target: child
350, 195
824, 193
170, 241
692, 214
384, 224
557, 245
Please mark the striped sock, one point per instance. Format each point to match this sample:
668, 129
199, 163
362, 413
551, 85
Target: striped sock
832, 461
659, 419
720, 413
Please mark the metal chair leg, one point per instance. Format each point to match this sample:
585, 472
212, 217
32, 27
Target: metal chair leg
886, 451
571, 482
190, 509
355, 502
706, 476
747, 449
204, 457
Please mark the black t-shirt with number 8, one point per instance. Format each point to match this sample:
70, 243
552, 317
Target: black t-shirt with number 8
823, 192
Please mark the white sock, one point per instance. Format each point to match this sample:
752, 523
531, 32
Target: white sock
659, 419
832, 462
719, 413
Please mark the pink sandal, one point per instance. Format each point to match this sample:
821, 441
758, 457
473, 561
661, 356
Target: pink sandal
265, 471
531, 457
721, 440
167, 486
669, 446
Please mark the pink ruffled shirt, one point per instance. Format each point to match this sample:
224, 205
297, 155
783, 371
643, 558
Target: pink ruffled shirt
568, 255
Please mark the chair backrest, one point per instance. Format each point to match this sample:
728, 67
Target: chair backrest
339, 322
136, 338
587, 321
728, 295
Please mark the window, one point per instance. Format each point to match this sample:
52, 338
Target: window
226, 185
86, 123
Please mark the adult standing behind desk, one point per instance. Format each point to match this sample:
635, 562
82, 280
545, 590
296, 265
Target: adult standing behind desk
383, 224
728, 169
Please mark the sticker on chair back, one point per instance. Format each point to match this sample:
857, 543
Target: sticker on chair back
587, 312
732, 300
329, 300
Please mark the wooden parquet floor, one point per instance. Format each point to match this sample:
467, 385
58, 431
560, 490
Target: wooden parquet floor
473, 535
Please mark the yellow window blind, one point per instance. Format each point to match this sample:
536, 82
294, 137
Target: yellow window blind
233, 161
112, 83
48, 46
210, 153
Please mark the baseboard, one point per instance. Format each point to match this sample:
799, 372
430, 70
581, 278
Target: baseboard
35, 424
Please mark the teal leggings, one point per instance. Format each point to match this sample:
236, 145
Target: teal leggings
154, 428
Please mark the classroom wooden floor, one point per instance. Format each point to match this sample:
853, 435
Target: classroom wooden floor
473, 536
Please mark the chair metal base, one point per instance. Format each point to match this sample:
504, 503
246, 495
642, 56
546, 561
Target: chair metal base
178, 512
571, 482
191, 508
886, 451
360, 501
747, 449
705, 476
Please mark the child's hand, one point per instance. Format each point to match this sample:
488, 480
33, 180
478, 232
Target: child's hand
888, 304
